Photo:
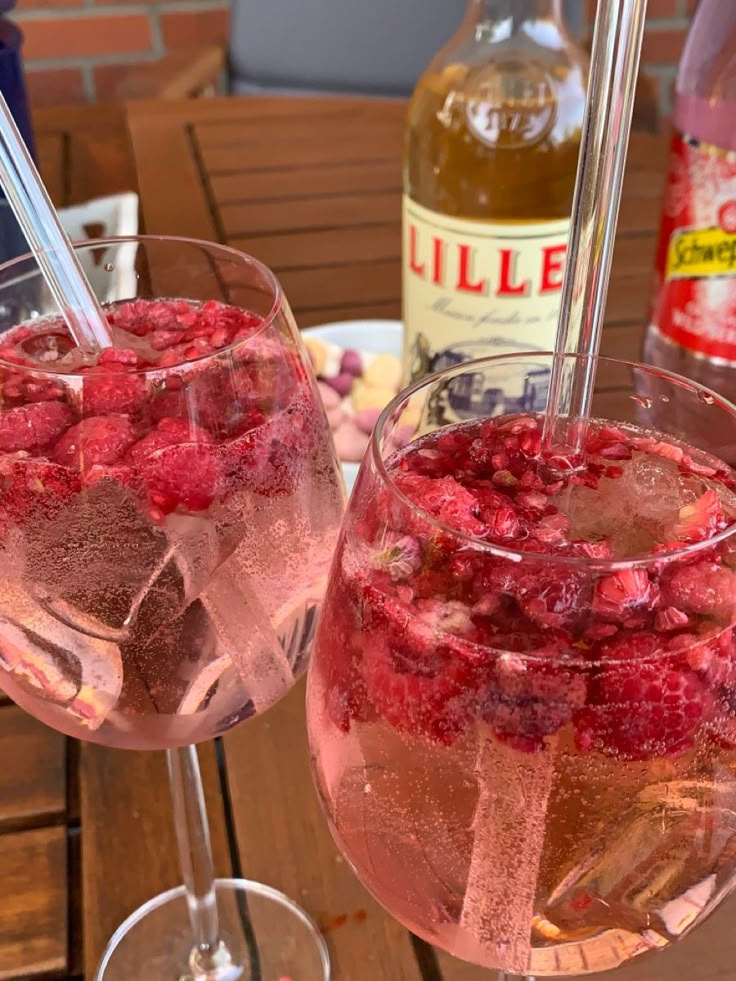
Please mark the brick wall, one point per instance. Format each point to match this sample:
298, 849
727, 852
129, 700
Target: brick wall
78, 50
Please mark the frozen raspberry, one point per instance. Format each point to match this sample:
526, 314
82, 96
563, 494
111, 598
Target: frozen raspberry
623, 592
439, 703
168, 432
644, 703
701, 519
704, 588
97, 440
553, 600
185, 476
269, 458
111, 388
31, 485
444, 499
34, 427
713, 658
535, 692
420, 674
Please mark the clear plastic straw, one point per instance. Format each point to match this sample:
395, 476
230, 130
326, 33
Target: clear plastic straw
617, 39
47, 239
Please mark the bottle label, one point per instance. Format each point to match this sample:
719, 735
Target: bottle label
473, 288
695, 278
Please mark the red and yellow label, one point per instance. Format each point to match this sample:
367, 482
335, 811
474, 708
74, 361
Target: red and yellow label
695, 288
472, 288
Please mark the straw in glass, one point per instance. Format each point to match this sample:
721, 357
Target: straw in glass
47, 239
616, 51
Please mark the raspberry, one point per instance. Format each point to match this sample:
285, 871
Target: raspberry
31, 485
185, 476
418, 675
168, 432
643, 703
97, 440
439, 705
622, 592
34, 427
714, 659
112, 390
444, 499
703, 588
268, 459
536, 694
701, 519
552, 600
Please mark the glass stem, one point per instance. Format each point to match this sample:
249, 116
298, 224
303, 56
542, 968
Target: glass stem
209, 955
503, 976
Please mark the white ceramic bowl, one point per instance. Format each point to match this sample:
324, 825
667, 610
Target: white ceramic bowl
370, 336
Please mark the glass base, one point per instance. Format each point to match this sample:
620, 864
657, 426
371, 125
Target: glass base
265, 937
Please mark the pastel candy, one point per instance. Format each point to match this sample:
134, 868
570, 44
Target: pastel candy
335, 416
384, 372
330, 398
366, 419
341, 384
350, 442
365, 397
317, 352
351, 363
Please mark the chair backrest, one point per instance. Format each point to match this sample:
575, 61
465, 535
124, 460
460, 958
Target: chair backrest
370, 46
367, 46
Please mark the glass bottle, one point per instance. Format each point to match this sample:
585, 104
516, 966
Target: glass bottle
491, 152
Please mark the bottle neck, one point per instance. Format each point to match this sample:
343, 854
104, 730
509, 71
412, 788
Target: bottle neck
506, 17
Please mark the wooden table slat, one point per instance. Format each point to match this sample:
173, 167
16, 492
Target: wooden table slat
341, 211
33, 772
284, 842
328, 179
129, 849
33, 924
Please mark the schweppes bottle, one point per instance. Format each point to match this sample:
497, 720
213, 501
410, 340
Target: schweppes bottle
692, 324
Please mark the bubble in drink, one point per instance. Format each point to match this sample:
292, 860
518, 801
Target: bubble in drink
536, 676
153, 502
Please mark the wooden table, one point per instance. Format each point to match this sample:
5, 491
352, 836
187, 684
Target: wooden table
312, 187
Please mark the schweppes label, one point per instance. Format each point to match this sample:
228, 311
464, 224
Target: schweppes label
701, 252
695, 281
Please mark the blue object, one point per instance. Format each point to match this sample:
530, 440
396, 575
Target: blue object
13, 87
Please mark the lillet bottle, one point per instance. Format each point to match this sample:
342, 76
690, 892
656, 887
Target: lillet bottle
692, 325
491, 151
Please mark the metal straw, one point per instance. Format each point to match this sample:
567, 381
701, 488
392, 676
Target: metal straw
617, 40
47, 239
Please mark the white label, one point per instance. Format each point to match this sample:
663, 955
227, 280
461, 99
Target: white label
472, 288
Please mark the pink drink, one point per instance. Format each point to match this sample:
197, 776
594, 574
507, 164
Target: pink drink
522, 705
168, 514
693, 317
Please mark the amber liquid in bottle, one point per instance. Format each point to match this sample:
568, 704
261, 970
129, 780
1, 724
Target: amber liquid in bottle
492, 143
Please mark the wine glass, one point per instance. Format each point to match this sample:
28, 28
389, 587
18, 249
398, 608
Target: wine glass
522, 701
167, 515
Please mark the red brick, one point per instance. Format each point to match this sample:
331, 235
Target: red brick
35, 4
80, 37
663, 8
663, 47
107, 78
54, 87
190, 29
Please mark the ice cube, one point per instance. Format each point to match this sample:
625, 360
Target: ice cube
634, 511
73, 669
